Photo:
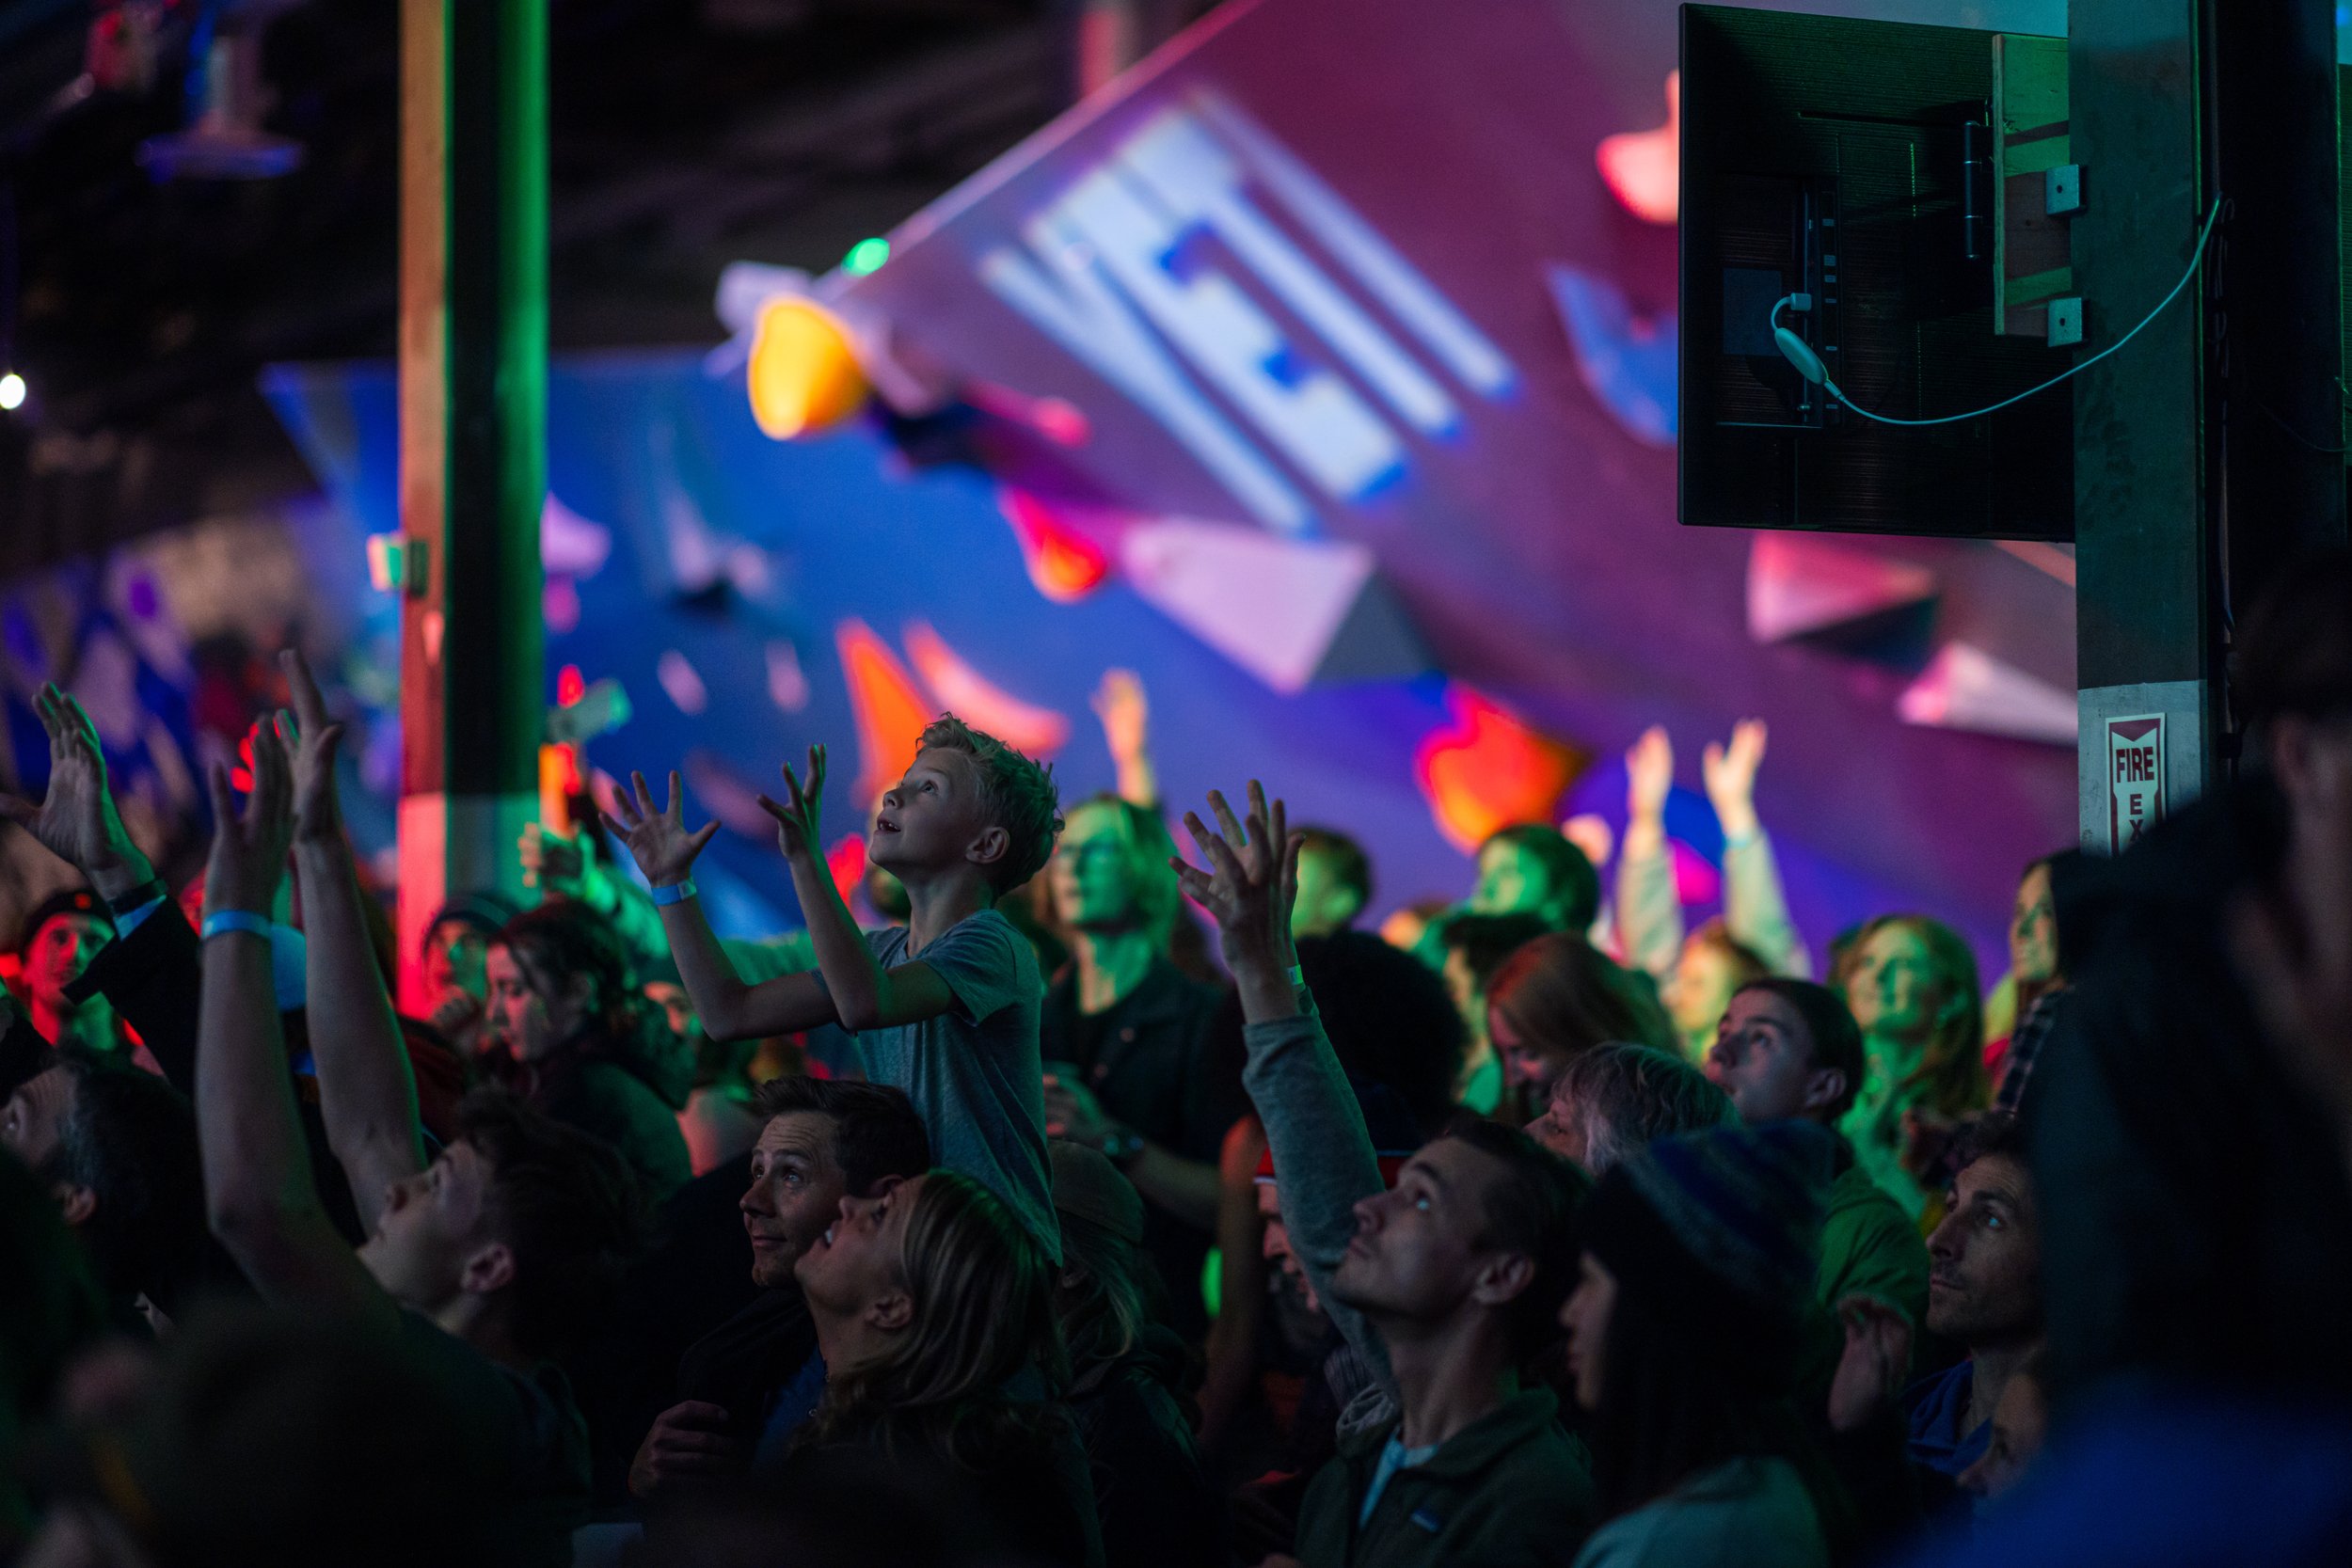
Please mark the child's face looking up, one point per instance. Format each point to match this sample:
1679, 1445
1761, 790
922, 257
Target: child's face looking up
932, 820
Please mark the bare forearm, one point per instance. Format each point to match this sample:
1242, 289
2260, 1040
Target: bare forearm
858, 986
1185, 1188
256, 1170
1139, 781
366, 1092
728, 1008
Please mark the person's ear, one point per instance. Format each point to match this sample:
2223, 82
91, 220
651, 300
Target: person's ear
76, 1204
989, 846
1822, 1087
891, 1313
1503, 1277
487, 1269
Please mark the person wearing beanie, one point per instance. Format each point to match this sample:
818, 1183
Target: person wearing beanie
1447, 1285
1128, 1371
1683, 1336
62, 937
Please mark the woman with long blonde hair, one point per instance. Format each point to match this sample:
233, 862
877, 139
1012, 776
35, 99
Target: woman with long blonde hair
1910, 983
935, 1314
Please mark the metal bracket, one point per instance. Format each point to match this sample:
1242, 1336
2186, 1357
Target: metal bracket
2066, 320
2062, 190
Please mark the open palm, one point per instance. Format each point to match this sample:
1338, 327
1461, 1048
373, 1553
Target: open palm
658, 839
77, 820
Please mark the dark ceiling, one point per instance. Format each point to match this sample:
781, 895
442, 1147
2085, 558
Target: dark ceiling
684, 134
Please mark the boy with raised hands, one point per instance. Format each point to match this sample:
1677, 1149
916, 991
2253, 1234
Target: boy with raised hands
945, 1008
1447, 1284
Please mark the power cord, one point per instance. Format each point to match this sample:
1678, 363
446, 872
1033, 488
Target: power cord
1800, 354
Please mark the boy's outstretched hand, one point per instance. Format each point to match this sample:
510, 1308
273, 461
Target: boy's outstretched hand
798, 827
314, 738
658, 840
1248, 889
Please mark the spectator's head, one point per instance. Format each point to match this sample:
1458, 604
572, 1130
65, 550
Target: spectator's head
1475, 946
2033, 947
1530, 869
1712, 964
2020, 1421
1556, 998
277, 1436
1697, 1273
116, 1149
517, 1234
1476, 1236
1616, 1097
2294, 668
63, 933
1110, 869
924, 1297
1273, 1242
52, 1304
1984, 1275
1334, 882
457, 944
967, 800
1103, 1294
560, 981
823, 1139
1389, 1020
1787, 1050
1911, 984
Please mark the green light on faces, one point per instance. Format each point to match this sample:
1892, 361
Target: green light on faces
866, 256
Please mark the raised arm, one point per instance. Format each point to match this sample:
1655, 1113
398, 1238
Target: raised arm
259, 1196
366, 1091
76, 821
1125, 713
1649, 914
728, 1008
865, 995
1323, 1160
1755, 911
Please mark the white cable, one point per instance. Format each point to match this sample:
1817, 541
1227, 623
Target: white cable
1835, 390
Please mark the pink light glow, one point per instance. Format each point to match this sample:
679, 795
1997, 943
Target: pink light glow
1641, 168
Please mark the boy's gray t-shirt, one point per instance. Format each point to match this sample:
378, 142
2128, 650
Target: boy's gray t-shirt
975, 1073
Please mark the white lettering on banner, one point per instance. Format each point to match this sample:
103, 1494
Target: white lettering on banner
1099, 263
1072, 302
1199, 183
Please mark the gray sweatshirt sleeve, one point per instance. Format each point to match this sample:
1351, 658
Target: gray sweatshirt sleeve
1755, 911
1324, 1161
1649, 914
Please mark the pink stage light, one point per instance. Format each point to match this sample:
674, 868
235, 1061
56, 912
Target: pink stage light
1643, 168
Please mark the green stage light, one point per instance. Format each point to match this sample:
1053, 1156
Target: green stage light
866, 256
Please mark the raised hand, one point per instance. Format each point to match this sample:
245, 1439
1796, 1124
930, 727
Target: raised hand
1730, 775
799, 829
1124, 711
77, 821
658, 840
248, 860
1649, 775
1252, 882
556, 865
1877, 1355
314, 738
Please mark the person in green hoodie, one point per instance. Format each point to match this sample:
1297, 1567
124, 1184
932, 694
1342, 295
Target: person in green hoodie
1445, 1285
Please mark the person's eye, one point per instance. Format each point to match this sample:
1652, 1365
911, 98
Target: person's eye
1994, 1222
1421, 1203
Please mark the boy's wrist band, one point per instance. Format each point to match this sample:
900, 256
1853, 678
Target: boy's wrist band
678, 892
221, 921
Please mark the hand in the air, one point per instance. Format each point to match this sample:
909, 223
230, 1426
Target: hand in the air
1252, 882
248, 859
799, 826
76, 821
658, 840
314, 738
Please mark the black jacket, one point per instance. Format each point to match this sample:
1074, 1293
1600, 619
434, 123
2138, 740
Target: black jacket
1156, 1507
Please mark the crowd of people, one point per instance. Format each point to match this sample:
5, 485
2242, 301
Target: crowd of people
1082, 1188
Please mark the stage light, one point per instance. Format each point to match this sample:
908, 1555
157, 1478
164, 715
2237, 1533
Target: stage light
866, 256
803, 375
11, 391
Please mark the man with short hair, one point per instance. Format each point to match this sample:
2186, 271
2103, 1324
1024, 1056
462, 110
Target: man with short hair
1125, 1037
116, 1146
1614, 1100
1334, 882
1984, 1292
747, 1385
1529, 868
1789, 1051
1447, 1284
485, 1262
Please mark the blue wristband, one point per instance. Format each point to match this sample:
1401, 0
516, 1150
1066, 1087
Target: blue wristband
236, 920
676, 893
